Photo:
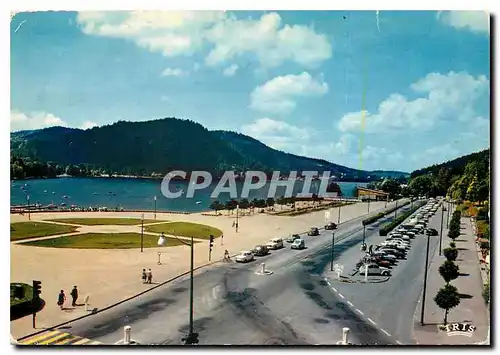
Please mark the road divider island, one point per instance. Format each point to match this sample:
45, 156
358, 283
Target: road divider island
386, 228
376, 217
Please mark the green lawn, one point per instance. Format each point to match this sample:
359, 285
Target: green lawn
104, 221
185, 229
26, 230
28, 293
104, 241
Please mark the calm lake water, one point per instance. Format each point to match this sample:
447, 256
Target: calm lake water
132, 193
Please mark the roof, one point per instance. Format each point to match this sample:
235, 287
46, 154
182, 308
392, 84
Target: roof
375, 192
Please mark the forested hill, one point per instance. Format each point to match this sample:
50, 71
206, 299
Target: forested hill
456, 166
159, 146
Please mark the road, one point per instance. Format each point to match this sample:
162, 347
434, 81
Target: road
233, 305
391, 305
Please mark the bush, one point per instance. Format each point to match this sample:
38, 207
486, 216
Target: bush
451, 254
375, 218
453, 234
482, 214
452, 245
390, 226
449, 271
482, 229
485, 245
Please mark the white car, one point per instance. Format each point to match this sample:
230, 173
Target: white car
298, 244
275, 243
245, 257
374, 269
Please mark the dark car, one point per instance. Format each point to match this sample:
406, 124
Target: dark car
292, 238
260, 250
330, 226
432, 231
397, 253
313, 231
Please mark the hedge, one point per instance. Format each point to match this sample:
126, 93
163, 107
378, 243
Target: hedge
390, 226
373, 219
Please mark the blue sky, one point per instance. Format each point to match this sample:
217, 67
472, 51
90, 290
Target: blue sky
296, 80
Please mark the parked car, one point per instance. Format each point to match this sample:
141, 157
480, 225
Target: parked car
330, 226
244, 257
394, 251
313, 231
374, 269
431, 231
260, 250
298, 244
292, 238
275, 243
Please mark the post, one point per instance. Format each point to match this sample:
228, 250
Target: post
142, 232
366, 272
369, 205
333, 246
126, 334
86, 301
159, 258
29, 214
396, 210
209, 254
425, 281
441, 231
364, 230
263, 268
338, 221
191, 290
448, 216
155, 208
33, 320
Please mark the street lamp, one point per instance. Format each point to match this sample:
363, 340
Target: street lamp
333, 247
369, 204
441, 230
155, 207
237, 215
396, 210
338, 222
142, 232
29, 215
425, 280
364, 230
191, 338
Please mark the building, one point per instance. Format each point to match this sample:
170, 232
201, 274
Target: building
364, 194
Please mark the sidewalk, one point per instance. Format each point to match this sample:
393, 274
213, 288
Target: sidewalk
471, 310
112, 275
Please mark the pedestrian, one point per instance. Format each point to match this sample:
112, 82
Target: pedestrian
149, 275
74, 296
61, 299
144, 276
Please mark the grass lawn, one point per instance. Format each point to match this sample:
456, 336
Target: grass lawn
25, 230
185, 229
104, 241
104, 221
28, 293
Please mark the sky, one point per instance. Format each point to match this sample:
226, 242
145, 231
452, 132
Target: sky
389, 90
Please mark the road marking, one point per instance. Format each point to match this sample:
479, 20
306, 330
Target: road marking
371, 321
385, 332
398, 342
350, 304
357, 310
334, 289
341, 295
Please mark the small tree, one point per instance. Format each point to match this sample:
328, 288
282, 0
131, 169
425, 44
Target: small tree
447, 298
270, 202
449, 271
451, 254
486, 292
244, 203
453, 234
216, 206
453, 245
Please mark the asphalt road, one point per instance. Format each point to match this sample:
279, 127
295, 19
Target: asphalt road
391, 305
233, 305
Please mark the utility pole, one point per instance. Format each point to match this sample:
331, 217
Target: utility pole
441, 231
338, 222
191, 291
364, 229
369, 205
237, 216
396, 210
448, 216
425, 281
29, 210
333, 247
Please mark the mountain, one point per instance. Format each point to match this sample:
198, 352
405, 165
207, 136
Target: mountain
163, 145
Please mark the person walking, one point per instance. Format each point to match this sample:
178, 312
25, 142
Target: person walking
144, 276
74, 296
149, 276
61, 299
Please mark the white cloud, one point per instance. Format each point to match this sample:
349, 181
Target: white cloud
436, 154
175, 33
475, 21
231, 70
446, 97
35, 120
174, 72
88, 124
278, 94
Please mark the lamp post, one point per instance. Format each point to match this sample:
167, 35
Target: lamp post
369, 205
29, 215
333, 247
425, 281
441, 231
237, 215
142, 232
396, 210
338, 221
448, 216
155, 208
364, 230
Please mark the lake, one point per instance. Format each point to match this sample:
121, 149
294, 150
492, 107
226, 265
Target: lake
137, 194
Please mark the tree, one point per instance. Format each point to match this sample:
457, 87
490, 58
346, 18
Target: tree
334, 187
216, 206
449, 271
453, 234
244, 203
421, 185
392, 187
473, 190
447, 298
451, 254
270, 202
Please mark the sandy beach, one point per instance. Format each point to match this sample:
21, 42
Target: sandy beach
109, 276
